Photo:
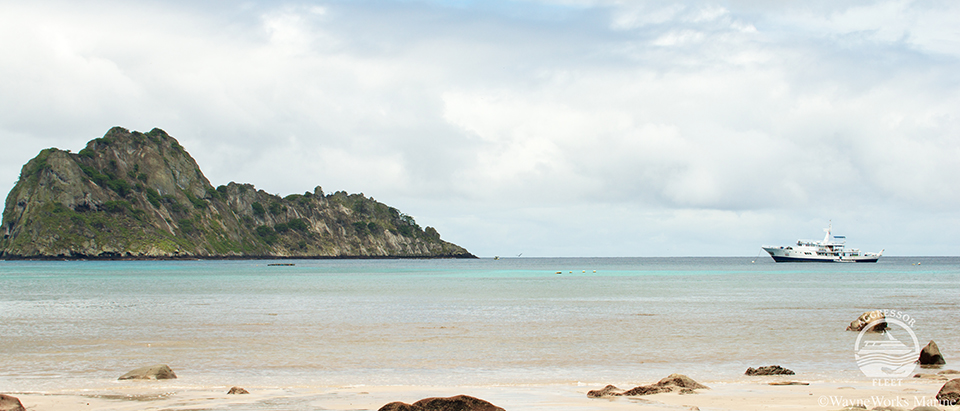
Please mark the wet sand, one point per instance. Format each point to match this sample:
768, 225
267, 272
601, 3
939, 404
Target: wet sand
753, 395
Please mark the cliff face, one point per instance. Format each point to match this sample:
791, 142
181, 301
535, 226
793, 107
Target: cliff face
140, 195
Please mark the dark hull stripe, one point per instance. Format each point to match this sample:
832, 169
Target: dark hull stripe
781, 259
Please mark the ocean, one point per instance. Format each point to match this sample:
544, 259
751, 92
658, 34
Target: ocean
79, 325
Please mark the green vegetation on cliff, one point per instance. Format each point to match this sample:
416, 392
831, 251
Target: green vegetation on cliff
141, 195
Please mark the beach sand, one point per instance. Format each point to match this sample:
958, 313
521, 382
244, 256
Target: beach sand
752, 395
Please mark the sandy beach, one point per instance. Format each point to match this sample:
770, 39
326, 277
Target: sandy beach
753, 395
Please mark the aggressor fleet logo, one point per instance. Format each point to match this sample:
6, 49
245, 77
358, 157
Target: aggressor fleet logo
891, 353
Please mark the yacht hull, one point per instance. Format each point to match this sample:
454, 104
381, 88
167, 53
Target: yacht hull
781, 259
830, 250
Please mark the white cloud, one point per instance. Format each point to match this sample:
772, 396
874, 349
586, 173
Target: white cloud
631, 128
679, 38
926, 25
644, 15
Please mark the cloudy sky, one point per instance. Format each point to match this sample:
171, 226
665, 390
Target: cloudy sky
548, 128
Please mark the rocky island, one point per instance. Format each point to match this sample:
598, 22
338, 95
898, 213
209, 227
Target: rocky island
132, 195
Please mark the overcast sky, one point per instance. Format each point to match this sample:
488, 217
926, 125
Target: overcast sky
548, 128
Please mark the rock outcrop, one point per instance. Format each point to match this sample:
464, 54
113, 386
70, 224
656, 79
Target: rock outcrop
608, 391
930, 355
768, 370
949, 394
9, 403
867, 318
152, 372
455, 403
141, 195
673, 382
237, 390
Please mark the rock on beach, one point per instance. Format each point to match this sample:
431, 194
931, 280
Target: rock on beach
867, 318
455, 403
608, 391
930, 355
769, 370
9, 403
949, 394
152, 372
673, 382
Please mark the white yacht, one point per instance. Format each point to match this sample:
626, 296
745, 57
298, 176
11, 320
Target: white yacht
831, 249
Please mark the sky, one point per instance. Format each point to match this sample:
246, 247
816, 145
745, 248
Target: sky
551, 128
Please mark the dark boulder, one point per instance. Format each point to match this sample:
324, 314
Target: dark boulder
867, 318
769, 370
153, 372
398, 406
8, 403
949, 394
930, 355
455, 403
238, 390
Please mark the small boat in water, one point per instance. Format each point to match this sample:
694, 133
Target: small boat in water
830, 250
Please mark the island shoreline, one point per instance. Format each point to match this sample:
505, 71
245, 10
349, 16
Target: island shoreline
230, 257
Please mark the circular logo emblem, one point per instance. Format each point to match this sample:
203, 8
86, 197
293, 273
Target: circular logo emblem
892, 353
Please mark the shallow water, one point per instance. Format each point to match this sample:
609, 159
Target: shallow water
82, 324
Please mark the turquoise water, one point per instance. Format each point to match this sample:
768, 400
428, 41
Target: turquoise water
454, 322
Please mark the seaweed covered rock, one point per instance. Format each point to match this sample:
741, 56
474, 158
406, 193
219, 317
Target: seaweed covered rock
769, 370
